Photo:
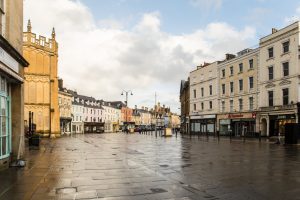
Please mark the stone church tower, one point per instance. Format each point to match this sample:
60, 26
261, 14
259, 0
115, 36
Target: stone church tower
41, 82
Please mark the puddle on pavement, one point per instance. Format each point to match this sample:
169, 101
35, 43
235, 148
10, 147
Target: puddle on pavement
158, 190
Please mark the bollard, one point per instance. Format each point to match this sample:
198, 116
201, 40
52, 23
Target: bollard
259, 136
218, 135
244, 137
230, 136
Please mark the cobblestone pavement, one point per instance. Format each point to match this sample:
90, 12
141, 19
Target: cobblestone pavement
119, 166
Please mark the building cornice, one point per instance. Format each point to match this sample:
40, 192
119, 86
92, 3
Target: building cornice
13, 52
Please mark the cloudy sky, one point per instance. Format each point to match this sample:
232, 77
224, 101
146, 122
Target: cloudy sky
148, 46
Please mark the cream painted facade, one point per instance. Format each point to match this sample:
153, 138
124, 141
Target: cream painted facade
41, 82
238, 93
204, 98
65, 110
279, 52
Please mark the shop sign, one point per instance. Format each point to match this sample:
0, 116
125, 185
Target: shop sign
230, 116
203, 117
286, 117
8, 60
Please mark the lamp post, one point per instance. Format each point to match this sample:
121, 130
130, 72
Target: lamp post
126, 93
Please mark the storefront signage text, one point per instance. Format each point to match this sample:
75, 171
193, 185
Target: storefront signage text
8, 60
235, 116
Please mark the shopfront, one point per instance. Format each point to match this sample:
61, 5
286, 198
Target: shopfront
11, 99
237, 124
277, 123
5, 118
203, 124
93, 127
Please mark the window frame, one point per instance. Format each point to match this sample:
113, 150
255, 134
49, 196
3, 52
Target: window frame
251, 83
284, 50
271, 52
231, 105
241, 85
241, 105
241, 68
251, 103
231, 87
251, 64
231, 71
269, 74
285, 97
285, 70
271, 98
223, 88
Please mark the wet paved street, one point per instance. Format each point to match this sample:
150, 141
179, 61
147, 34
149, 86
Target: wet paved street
119, 166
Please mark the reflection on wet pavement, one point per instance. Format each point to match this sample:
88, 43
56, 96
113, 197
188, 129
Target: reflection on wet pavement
119, 166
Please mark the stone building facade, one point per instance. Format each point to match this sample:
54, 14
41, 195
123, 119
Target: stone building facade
258, 91
41, 82
184, 106
238, 93
65, 109
12, 66
279, 82
204, 98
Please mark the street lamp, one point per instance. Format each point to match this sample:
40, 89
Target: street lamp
126, 93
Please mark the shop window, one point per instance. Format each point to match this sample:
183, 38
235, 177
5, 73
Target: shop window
5, 132
285, 96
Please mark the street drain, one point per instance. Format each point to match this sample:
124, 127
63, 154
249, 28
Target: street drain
164, 165
158, 190
65, 190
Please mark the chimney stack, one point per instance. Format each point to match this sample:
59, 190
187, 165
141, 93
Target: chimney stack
60, 84
229, 56
274, 30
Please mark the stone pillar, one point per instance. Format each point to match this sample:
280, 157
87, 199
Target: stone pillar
17, 119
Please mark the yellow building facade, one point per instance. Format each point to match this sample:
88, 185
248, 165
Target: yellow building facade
41, 83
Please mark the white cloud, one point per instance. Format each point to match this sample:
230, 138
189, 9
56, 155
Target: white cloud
207, 4
102, 61
294, 18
